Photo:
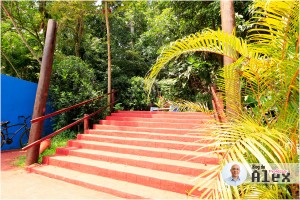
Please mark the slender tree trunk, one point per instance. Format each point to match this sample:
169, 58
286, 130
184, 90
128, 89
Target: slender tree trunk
78, 35
132, 30
20, 34
43, 11
232, 82
108, 54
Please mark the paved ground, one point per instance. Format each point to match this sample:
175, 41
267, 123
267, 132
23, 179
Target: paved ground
16, 183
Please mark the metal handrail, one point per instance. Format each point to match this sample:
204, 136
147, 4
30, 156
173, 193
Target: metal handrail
65, 109
72, 124
218, 106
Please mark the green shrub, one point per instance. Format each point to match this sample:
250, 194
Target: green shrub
136, 98
59, 140
72, 82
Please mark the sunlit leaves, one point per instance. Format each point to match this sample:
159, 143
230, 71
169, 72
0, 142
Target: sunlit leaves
209, 41
266, 131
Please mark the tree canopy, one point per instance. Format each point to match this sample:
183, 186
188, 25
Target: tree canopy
139, 32
178, 46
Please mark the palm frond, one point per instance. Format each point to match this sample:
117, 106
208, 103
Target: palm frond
277, 27
187, 106
266, 191
268, 65
217, 42
245, 141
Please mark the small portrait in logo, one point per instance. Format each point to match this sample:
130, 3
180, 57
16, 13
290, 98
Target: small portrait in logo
234, 173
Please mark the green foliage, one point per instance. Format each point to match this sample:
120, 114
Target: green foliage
188, 106
139, 30
20, 161
23, 67
95, 51
191, 77
161, 29
72, 82
191, 15
136, 97
71, 16
118, 106
267, 63
59, 140
15, 56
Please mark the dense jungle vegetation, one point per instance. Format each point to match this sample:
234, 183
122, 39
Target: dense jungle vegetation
139, 32
175, 50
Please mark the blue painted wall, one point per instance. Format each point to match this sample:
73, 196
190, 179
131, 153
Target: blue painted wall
17, 98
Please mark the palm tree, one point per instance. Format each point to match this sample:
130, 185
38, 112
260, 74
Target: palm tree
228, 26
266, 129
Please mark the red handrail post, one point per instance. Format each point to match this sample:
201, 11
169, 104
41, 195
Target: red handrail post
218, 103
85, 123
112, 100
32, 154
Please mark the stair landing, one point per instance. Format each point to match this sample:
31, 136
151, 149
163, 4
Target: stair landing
135, 155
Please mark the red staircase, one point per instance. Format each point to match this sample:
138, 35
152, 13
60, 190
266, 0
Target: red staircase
134, 154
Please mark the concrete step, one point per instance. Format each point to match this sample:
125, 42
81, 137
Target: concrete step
164, 115
169, 144
168, 120
147, 177
114, 187
142, 129
158, 136
162, 164
172, 154
137, 155
149, 124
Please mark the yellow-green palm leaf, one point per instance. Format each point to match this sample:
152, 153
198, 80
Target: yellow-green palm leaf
208, 41
276, 28
245, 141
267, 63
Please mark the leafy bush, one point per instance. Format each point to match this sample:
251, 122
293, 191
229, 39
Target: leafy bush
135, 97
59, 140
72, 82
118, 106
189, 79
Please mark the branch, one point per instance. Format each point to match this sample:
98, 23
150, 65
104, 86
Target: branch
10, 63
20, 34
34, 34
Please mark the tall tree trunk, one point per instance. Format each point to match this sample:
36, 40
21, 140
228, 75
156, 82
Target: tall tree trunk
42, 10
232, 82
78, 36
108, 54
20, 34
131, 23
